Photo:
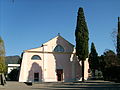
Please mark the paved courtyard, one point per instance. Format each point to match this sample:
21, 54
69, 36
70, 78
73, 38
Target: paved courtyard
62, 86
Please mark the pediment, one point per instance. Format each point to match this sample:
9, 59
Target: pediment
52, 43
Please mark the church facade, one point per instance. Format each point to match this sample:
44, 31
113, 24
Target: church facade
54, 61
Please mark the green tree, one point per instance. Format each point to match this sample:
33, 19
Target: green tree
93, 59
118, 40
102, 63
2, 56
82, 37
110, 58
109, 66
2, 62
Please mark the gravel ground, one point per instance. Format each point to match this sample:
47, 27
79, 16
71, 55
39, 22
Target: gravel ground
91, 85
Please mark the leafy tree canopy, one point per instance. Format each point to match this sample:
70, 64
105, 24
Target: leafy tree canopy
110, 58
2, 56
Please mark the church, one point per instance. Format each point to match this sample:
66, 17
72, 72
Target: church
54, 61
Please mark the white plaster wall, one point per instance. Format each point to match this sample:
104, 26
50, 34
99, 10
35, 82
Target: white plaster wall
23, 70
86, 69
50, 68
26, 71
58, 60
51, 61
12, 66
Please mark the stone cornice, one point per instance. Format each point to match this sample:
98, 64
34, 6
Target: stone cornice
50, 52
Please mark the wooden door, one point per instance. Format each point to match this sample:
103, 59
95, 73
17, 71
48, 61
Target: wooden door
36, 77
60, 74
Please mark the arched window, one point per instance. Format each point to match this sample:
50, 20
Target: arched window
36, 57
59, 48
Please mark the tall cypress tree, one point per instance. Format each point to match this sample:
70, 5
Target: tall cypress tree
93, 59
118, 40
82, 38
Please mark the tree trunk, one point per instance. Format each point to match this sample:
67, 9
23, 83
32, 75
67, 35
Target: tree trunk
2, 79
82, 70
93, 72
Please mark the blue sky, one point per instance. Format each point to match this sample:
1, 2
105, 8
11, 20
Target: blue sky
26, 24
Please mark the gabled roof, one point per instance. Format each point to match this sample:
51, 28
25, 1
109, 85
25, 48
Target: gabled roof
59, 36
34, 49
40, 48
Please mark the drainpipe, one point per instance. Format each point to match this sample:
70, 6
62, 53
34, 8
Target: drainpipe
43, 65
43, 79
